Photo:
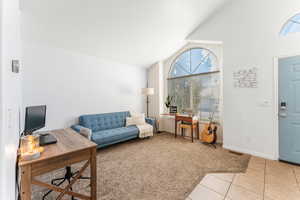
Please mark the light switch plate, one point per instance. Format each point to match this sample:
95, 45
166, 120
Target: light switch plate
15, 66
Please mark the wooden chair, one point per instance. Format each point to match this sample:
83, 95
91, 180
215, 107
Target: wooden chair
187, 122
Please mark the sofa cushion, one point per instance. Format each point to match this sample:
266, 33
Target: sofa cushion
99, 122
107, 136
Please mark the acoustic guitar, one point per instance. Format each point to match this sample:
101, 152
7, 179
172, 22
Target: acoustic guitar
209, 133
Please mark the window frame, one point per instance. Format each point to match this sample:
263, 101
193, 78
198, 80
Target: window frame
197, 74
216, 70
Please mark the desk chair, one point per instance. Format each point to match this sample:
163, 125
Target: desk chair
183, 126
187, 122
67, 177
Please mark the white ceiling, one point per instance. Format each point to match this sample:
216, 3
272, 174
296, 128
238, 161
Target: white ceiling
138, 32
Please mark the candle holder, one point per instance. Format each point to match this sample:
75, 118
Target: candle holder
30, 147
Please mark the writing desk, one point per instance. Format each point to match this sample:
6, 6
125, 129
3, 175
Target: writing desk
189, 122
70, 148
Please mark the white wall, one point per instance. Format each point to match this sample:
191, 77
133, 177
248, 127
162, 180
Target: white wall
72, 84
10, 98
250, 34
155, 80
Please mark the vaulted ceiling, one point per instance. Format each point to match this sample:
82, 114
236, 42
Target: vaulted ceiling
137, 32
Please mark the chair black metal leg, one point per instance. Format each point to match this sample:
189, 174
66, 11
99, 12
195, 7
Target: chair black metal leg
69, 181
53, 183
85, 178
68, 176
46, 194
58, 179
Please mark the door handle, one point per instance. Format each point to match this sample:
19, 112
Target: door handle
282, 109
283, 105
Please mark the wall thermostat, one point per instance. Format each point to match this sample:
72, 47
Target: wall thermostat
15, 66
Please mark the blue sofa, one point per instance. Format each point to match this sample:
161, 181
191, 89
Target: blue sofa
109, 128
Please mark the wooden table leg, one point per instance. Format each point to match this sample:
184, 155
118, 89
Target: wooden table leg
93, 174
198, 131
26, 182
175, 128
192, 132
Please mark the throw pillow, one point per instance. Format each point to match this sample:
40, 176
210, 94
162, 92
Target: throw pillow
135, 115
129, 121
135, 121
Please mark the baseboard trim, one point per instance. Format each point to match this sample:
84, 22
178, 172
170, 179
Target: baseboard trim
247, 151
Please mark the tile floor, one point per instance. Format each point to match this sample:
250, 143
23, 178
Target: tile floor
263, 180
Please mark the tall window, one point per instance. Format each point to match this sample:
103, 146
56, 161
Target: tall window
194, 82
291, 26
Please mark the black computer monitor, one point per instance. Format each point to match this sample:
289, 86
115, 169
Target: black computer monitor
35, 118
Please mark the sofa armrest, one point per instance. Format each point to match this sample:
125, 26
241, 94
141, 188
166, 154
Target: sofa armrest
150, 121
77, 128
86, 132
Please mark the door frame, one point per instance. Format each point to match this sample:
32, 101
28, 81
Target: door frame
276, 95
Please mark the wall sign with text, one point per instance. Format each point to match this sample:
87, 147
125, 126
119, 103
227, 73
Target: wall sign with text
245, 78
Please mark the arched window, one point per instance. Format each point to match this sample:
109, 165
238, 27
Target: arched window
291, 26
194, 82
192, 62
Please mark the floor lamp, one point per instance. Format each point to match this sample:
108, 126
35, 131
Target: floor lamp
148, 92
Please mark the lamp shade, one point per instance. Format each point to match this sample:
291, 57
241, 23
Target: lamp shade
148, 91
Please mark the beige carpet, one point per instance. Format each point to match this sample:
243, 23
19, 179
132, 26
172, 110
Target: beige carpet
160, 168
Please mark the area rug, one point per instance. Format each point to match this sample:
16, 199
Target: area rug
159, 168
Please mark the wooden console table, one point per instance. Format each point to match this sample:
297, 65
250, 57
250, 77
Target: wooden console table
70, 148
